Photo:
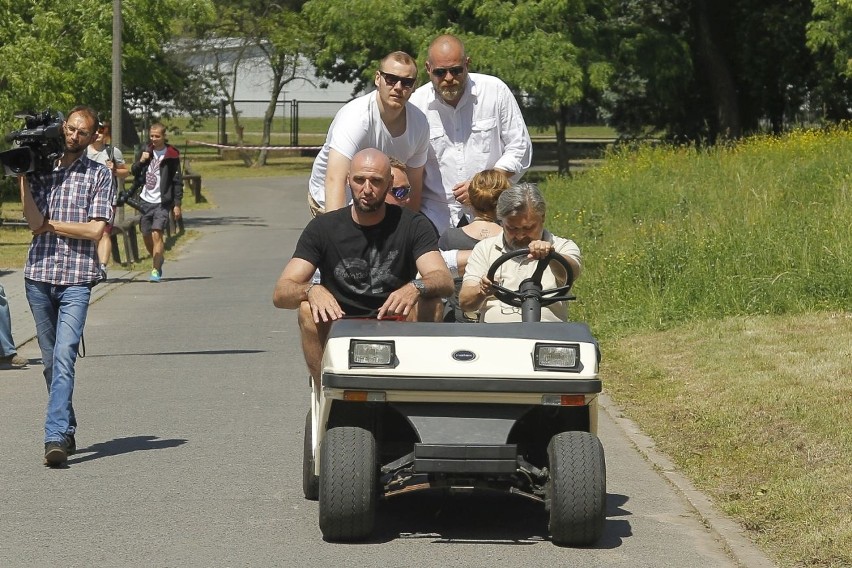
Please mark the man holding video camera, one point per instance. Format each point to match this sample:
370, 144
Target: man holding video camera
67, 206
162, 193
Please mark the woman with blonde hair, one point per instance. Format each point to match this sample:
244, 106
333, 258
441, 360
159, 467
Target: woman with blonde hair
457, 242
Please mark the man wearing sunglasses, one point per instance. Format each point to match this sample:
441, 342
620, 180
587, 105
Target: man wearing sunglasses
475, 124
383, 119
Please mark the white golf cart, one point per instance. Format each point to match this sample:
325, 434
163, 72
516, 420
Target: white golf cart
508, 407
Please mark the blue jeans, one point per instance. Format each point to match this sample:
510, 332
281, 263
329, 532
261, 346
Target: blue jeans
7, 345
60, 314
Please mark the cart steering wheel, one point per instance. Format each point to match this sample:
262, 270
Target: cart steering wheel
530, 295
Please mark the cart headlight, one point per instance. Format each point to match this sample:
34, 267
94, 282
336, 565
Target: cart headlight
553, 357
371, 353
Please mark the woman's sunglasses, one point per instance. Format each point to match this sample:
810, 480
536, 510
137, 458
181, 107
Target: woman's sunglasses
401, 192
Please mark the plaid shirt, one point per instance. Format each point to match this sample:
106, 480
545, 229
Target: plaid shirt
77, 194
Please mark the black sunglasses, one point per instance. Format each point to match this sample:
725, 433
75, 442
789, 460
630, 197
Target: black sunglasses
392, 80
441, 72
401, 192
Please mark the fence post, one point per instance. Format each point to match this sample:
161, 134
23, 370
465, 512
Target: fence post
294, 123
223, 124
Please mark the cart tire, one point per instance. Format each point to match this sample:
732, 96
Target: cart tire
348, 484
576, 489
310, 481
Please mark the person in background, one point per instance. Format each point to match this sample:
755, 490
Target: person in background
384, 120
112, 158
375, 260
456, 243
475, 124
400, 192
521, 211
67, 209
9, 358
161, 195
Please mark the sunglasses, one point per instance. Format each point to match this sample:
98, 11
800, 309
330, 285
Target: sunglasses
441, 72
401, 192
391, 80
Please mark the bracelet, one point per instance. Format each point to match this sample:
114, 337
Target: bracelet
308, 289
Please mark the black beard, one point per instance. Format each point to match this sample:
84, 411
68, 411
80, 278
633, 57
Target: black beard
367, 208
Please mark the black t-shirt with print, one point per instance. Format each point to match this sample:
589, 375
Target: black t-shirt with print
362, 265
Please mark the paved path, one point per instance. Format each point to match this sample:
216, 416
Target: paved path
191, 402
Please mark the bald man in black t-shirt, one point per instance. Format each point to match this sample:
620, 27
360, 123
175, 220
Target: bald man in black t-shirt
369, 255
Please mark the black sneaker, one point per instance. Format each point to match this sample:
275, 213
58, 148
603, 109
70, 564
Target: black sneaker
70, 444
55, 453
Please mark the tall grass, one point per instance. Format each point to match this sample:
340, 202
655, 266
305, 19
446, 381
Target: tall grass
675, 234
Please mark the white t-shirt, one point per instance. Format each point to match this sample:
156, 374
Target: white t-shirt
101, 156
514, 271
485, 130
358, 126
151, 189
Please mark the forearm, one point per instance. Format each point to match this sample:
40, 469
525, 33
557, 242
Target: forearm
439, 284
34, 217
289, 294
92, 231
471, 297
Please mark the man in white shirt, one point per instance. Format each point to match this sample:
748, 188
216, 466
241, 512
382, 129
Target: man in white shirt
383, 119
475, 124
111, 157
521, 210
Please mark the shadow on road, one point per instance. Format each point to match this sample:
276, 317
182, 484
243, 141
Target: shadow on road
482, 518
123, 446
204, 352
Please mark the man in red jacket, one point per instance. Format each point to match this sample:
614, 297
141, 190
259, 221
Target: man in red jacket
161, 194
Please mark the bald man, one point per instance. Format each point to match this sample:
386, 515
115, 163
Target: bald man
475, 124
376, 260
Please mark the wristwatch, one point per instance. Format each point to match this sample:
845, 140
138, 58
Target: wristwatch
421, 287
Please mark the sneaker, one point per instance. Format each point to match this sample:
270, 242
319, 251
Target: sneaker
155, 276
55, 453
70, 444
13, 361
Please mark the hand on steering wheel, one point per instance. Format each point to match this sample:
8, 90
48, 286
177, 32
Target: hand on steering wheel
532, 286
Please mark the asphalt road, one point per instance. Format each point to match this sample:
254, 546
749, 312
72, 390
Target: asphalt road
191, 402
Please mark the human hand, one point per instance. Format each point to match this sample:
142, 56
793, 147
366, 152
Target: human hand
145, 157
400, 302
460, 192
539, 249
323, 304
486, 287
178, 212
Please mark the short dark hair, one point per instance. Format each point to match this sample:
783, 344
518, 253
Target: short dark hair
89, 112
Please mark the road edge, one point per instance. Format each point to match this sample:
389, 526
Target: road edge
733, 537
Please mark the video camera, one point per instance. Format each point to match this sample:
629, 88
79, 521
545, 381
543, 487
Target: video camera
40, 143
131, 196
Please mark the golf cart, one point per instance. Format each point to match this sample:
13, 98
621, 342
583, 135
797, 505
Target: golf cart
508, 407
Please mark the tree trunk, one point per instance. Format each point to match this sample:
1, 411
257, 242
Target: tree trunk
561, 145
723, 89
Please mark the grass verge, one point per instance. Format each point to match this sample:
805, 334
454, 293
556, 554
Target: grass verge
718, 283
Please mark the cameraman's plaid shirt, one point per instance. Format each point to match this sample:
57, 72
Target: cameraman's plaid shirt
77, 194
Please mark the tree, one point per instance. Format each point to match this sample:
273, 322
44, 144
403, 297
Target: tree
253, 32
57, 53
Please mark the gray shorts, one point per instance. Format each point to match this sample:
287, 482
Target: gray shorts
155, 217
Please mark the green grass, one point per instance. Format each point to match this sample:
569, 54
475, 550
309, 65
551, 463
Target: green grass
718, 283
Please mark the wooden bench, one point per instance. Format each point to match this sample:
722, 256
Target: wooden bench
193, 182
125, 227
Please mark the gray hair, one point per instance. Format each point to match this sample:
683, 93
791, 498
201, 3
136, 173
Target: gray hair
519, 199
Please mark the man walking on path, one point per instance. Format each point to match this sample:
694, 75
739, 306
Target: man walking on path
67, 209
475, 124
161, 195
